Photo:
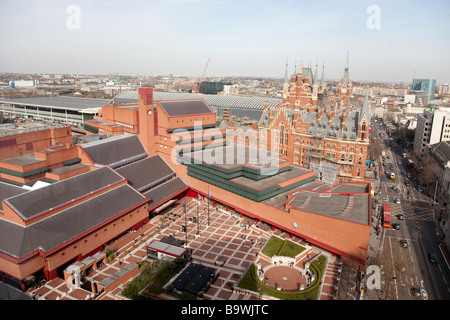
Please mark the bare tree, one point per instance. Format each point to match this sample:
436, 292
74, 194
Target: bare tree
375, 150
389, 116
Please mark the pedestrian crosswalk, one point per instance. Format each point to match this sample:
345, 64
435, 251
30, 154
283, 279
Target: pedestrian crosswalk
409, 211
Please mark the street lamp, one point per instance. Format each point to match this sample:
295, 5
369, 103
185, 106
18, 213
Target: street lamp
434, 197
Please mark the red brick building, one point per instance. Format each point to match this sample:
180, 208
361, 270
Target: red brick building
332, 140
44, 230
63, 204
267, 186
21, 138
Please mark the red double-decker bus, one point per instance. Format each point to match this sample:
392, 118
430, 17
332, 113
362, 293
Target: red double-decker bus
386, 215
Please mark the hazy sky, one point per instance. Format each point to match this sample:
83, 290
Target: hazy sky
242, 38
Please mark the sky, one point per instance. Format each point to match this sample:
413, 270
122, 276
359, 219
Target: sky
390, 41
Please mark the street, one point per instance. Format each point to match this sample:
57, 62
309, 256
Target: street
408, 272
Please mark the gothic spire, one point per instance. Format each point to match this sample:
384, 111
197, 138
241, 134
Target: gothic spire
346, 75
315, 75
365, 107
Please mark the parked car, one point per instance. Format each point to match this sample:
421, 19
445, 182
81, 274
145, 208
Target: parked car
404, 243
403, 173
407, 182
419, 188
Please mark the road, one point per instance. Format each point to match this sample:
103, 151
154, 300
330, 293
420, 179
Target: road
404, 268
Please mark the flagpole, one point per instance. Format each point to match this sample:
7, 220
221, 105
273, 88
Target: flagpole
185, 221
198, 221
209, 196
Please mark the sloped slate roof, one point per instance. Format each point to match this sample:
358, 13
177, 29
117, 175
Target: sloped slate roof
185, 107
145, 173
116, 151
7, 191
165, 190
35, 202
18, 241
444, 149
322, 128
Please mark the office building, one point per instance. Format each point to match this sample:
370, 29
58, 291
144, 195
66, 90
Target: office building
427, 85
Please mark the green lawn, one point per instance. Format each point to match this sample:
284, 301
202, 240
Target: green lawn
290, 249
273, 246
279, 247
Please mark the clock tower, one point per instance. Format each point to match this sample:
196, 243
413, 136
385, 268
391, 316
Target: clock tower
345, 86
147, 120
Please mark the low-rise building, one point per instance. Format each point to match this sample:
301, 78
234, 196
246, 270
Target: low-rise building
44, 230
24, 137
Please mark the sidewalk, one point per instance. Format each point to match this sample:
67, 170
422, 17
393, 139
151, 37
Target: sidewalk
444, 246
375, 240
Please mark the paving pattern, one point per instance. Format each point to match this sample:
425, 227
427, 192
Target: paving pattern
229, 244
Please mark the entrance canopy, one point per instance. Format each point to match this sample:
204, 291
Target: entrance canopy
163, 206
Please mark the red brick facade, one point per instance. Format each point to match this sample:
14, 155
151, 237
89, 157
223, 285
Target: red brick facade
310, 134
349, 239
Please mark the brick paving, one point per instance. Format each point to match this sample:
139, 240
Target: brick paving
229, 244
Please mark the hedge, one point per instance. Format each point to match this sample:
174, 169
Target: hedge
251, 282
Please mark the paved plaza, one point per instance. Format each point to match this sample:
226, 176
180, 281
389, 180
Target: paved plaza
229, 244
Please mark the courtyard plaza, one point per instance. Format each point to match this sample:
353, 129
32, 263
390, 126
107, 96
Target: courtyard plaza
230, 244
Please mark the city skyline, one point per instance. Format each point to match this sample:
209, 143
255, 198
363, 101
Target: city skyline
389, 42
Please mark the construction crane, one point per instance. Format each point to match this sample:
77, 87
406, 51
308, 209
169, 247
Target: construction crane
196, 88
